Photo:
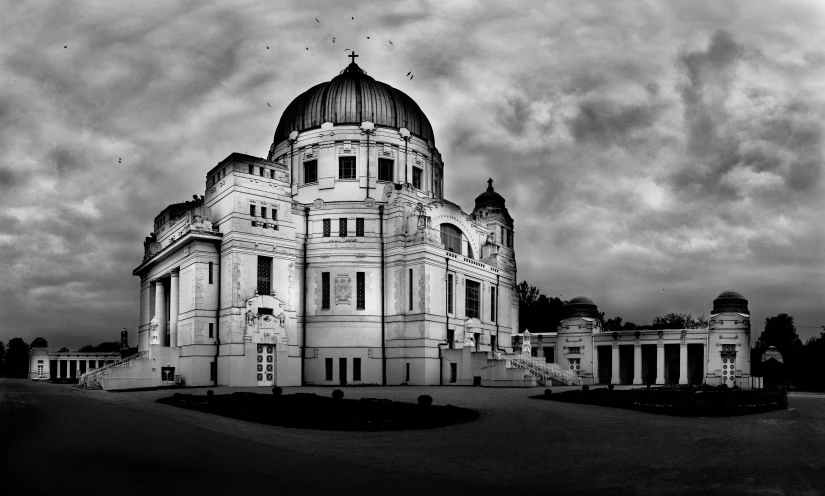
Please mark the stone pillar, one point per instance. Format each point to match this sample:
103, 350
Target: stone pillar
595, 364
660, 363
637, 363
683, 358
174, 298
160, 311
614, 377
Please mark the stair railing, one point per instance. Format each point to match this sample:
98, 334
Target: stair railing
123, 362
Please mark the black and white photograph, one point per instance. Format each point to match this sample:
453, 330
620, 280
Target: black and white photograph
450, 247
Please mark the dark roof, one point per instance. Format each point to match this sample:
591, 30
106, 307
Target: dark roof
489, 198
353, 97
581, 306
730, 301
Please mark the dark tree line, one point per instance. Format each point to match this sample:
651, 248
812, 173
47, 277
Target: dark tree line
537, 312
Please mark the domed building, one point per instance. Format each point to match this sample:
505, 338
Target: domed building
714, 355
333, 260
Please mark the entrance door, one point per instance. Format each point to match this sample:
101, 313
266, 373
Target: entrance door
342, 370
64, 368
265, 365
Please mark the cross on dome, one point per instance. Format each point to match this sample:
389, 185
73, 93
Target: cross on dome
490, 184
352, 56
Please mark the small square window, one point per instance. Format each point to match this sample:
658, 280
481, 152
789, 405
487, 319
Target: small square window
417, 177
346, 167
385, 169
311, 171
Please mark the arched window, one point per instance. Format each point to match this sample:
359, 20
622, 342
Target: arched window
454, 240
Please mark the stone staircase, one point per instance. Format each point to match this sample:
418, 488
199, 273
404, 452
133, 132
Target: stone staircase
91, 379
549, 373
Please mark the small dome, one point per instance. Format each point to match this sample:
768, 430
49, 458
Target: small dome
353, 97
730, 301
581, 306
489, 198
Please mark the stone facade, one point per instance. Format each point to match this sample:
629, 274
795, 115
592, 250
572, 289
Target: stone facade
328, 262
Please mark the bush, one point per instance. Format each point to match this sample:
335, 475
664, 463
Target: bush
210, 393
337, 394
277, 391
585, 388
425, 400
547, 392
610, 387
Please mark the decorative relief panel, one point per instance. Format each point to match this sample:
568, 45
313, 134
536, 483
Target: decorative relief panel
343, 289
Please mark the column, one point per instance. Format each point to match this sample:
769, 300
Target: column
683, 376
614, 377
160, 311
174, 297
595, 363
637, 363
660, 363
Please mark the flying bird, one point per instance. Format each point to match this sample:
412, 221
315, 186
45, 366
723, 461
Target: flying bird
317, 19
353, 18
368, 37
412, 77
390, 42
408, 74
64, 46
268, 105
267, 48
307, 48
118, 161
346, 49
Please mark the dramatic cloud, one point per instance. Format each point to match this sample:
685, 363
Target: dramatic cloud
652, 154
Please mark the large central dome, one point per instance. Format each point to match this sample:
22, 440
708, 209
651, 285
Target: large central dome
353, 97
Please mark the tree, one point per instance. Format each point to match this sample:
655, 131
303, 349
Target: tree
613, 325
16, 363
40, 343
104, 347
63, 350
537, 312
2, 356
780, 331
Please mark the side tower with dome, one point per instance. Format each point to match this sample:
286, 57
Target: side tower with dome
333, 260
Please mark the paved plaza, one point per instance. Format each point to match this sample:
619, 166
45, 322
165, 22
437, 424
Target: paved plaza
126, 440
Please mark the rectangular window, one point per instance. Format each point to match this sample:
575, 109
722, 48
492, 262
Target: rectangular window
346, 167
251, 169
359, 226
263, 172
213, 371
327, 227
411, 289
342, 227
492, 304
471, 299
385, 168
311, 171
360, 291
417, 177
451, 338
356, 369
328, 368
263, 212
264, 275
211, 330
325, 290
449, 293
453, 372
274, 214
574, 349
210, 273
408, 373
342, 370
252, 210
99, 363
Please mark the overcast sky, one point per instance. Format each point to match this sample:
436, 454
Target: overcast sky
653, 154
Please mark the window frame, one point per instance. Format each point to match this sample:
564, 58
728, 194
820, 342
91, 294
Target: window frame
342, 227
327, 226
420, 172
314, 164
450, 294
493, 305
472, 306
325, 291
359, 226
252, 210
389, 165
259, 280
360, 291
328, 369
356, 369
344, 163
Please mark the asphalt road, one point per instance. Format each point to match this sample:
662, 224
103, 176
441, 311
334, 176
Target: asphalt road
56, 441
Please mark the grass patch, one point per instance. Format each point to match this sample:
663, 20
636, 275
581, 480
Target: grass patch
310, 411
681, 401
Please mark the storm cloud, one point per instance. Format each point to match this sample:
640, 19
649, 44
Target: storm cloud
652, 154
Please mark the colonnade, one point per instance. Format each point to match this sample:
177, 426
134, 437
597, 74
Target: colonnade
160, 308
637, 363
92, 364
